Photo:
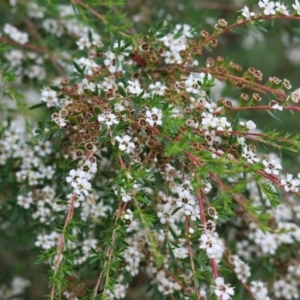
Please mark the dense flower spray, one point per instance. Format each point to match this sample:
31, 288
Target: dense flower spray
140, 170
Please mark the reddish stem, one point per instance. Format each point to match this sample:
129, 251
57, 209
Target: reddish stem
191, 255
262, 107
249, 84
203, 221
61, 241
110, 250
229, 28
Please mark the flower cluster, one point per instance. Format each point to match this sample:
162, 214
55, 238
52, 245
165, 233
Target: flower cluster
15, 34
142, 170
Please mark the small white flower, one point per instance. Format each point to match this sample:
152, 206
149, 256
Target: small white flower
241, 269
212, 244
24, 201
249, 155
154, 116
259, 290
180, 253
186, 200
172, 57
281, 8
125, 196
206, 187
222, 290
250, 125
134, 87
15, 34
274, 105
108, 119
165, 215
157, 88
87, 64
241, 140
246, 13
296, 7
125, 144
290, 184
50, 97
272, 166
81, 186
268, 7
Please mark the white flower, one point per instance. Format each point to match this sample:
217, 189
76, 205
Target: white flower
165, 215
157, 88
274, 105
25, 201
290, 184
241, 140
180, 253
249, 155
15, 34
74, 175
172, 57
286, 289
59, 120
89, 168
187, 200
296, 7
241, 269
185, 30
192, 80
246, 13
272, 166
295, 96
35, 11
85, 41
15, 57
281, 8
259, 290
50, 97
250, 125
88, 244
212, 244
154, 116
47, 241
222, 290
267, 6
81, 186
87, 64
134, 87
125, 144
125, 196
206, 187
108, 119
110, 62
174, 44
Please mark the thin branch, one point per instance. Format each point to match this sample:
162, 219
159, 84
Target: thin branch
191, 256
249, 84
27, 46
61, 241
245, 22
203, 221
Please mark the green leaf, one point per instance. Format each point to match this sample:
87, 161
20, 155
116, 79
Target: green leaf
42, 104
121, 91
104, 139
55, 88
239, 30
272, 115
121, 126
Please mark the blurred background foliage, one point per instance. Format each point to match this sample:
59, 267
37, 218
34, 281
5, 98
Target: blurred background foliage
275, 53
